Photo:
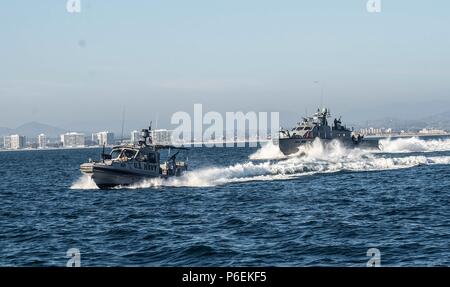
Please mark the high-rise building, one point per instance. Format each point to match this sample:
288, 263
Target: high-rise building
73, 140
14, 142
162, 136
7, 142
18, 141
135, 136
94, 139
105, 138
42, 141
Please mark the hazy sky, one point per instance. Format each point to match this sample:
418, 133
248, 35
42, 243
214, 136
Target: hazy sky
156, 57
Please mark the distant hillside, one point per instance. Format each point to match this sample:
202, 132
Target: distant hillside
441, 121
33, 129
5, 131
395, 123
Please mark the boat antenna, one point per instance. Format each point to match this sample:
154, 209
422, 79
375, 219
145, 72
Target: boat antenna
103, 152
321, 95
150, 138
123, 124
321, 92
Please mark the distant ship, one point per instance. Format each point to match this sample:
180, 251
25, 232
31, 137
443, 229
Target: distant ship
128, 164
317, 126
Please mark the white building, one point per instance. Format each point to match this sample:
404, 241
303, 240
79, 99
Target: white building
162, 136
432, 132
371, 131
135, 136
73, 140
42, 141
105, 138
7, 142
94, 139
18, 141
14, 142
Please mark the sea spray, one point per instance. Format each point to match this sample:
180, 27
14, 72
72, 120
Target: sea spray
84, 182
267, 151
317, 158
414, 144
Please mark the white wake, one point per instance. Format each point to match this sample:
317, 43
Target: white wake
312, 159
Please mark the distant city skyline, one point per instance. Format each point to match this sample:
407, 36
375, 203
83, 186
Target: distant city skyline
438, 116
78, 71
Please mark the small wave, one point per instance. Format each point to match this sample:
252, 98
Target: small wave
199, 250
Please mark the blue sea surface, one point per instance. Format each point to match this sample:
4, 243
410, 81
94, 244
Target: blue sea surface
235, 207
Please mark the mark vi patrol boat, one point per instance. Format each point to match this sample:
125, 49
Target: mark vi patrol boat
130, 163
317, 126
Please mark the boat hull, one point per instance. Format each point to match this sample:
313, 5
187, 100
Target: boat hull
106, 177
291, 145
109, 178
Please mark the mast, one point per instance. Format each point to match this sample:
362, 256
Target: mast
123, 124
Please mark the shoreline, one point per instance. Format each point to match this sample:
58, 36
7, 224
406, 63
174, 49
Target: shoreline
224, 143
192, 144
387, 136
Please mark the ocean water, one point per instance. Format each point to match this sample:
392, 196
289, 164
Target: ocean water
235, 207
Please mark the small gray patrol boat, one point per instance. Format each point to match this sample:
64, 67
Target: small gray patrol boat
317, 126
128, 164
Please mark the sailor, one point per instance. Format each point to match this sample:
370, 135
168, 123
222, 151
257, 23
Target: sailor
123, 157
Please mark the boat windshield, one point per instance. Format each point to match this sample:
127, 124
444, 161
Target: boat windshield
116, 153
129, 153
123, 153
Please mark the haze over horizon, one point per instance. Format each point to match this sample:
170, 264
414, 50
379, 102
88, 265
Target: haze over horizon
78, 70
